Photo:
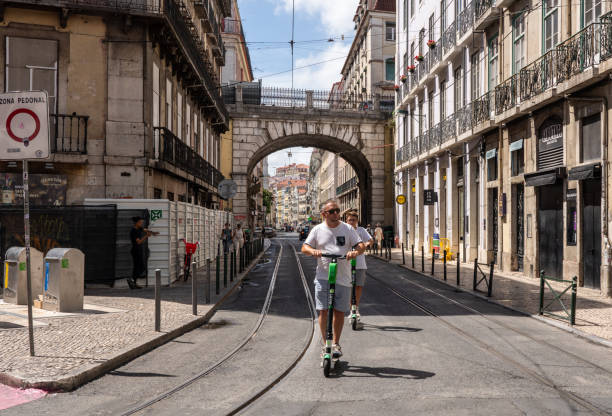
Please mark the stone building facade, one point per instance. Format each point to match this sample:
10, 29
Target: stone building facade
501, 134
136, 110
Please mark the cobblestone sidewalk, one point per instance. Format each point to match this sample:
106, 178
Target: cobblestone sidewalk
593, 310
116, 326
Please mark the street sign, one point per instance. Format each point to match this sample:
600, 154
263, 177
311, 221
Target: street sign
24, 125
227, 188
400, 199
429, 197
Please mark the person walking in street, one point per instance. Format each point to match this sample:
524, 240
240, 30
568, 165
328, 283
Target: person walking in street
352, 218
333, 237
226, 237
378, 235
138, 236
238, 238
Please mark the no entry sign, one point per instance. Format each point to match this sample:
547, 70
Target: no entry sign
24, 125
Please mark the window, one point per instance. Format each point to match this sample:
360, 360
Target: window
492, 165
179, 115
421, 40
170, 196
411, 8
405, 121
519, 47
390, 31
442, 100
188, 125
591, 10
590, 138
405, 13
493, 63
31, 64
517, 158
430, 108
411, 124
420, 116
157, 193
432, 28
572, 220
551, 24
443, 15
169, 104
155, 95
196, 138
390, 69
475, 76
458, 89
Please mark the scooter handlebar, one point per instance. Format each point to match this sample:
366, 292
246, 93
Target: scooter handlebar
333, 256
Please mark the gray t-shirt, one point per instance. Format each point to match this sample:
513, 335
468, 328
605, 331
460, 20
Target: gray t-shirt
365, 237
339, 240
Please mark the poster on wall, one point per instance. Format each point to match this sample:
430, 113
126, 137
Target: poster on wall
45, 189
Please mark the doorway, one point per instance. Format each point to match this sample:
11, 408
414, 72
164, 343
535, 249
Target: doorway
591, 233
461, 221
519, 225
550, 230
493, 223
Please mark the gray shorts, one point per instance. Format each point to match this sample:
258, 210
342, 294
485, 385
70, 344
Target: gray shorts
360, 276
343, 296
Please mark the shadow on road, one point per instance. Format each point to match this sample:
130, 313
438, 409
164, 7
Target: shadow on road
136, 374
390, 328
346, 370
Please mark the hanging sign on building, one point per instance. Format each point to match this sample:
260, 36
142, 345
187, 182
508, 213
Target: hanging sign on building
24, 125
429, 197
400, 199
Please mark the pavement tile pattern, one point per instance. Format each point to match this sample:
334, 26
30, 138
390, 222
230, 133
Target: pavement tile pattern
515, 290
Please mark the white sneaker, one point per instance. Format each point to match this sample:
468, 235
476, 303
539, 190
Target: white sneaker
336, 351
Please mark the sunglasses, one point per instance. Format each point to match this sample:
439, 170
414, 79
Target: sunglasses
333, 211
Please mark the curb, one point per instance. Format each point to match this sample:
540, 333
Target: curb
589, 337
77, 378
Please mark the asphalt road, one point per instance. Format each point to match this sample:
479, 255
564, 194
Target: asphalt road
405, 361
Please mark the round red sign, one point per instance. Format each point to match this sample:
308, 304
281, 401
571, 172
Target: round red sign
9, 128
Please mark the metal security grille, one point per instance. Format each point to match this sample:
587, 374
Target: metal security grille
550, 147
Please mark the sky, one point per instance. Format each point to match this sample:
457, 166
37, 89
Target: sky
267, 27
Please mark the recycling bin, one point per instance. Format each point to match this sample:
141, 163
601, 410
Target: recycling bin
15, 275
64, 280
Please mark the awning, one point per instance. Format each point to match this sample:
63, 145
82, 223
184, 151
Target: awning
580, 173
544, 177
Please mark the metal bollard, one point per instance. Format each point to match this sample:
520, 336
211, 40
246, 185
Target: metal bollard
475, 271
225, 269
444, 265
541, 292
232, 265
433, 257
194, 289
218, 272
458, 271
490, 285
573, 306
422, 259
413, 256
403, 256
242, 258
157, 300
207, 291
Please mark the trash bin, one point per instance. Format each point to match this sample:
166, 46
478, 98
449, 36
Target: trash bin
15, 275
64, 280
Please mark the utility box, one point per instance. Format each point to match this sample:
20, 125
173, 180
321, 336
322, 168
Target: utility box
15, 275
64, 280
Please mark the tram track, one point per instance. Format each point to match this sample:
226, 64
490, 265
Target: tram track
241, 346
491, 350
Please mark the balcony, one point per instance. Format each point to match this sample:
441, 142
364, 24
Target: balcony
449, 38
68, 133
232, 26
465, 20
347, 186
172, 150
482, 109
583, 51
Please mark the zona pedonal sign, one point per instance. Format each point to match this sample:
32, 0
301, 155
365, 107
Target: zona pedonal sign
24, 125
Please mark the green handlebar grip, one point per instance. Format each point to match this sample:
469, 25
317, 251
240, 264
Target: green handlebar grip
353, 262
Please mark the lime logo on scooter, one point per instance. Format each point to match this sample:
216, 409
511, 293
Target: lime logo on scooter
328, 357
353, 294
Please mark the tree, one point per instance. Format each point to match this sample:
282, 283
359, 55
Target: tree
267, 200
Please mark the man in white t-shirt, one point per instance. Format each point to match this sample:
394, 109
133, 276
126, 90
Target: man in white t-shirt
333, 236
352, 218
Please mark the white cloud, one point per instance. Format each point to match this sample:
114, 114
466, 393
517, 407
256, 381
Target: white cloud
316, 77
336, 16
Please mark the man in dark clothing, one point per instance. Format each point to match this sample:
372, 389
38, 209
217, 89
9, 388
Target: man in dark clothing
138, 236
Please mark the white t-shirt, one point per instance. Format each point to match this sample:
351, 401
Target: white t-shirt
365, 237
239, 234
339, 240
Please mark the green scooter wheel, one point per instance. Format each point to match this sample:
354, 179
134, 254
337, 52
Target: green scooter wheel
354, 323
326, 367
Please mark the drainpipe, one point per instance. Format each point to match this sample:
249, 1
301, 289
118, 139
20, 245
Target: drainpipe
604, 184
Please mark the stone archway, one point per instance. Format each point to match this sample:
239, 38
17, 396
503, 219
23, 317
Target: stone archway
359, 139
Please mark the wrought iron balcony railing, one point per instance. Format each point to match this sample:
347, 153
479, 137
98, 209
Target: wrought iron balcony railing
347, 186
435, 54
68, 133
414, 145
435, 136
171, 149
464, 119
466, 20
481, 7
449, 128
482, 108
585, 49
449, 38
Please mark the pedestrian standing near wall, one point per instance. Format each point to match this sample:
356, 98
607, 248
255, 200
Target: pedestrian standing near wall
226, 237
378, 236
238, 237
138, 236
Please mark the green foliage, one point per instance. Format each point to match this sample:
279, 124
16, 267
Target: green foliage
267, 200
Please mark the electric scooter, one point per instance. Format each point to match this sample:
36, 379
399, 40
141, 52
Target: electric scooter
353, 294
330, 359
